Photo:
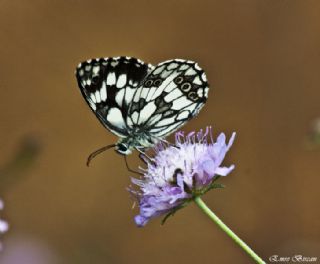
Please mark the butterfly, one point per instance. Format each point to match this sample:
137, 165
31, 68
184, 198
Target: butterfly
139, 102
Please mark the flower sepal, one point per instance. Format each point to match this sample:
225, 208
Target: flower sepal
174, 210
212, 185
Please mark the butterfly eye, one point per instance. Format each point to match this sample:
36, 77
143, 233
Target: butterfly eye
157, 82
193, 96
148, 83
186, 87
179, 79
122, 148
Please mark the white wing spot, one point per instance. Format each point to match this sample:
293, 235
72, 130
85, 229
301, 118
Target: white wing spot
165, 74
93, 106
157, 71
87, 68
121, 81
129, 94
184, 67
114, 63
93, 98
172, 66
146, 112
95, 70
180, 103
192, 107
98, 98
191, 72
206, 91
115, 117
166, 121
200, 92
137, 95
166, 82
119, 97
197, 80
152, 90
154, 119
134, 117
81, 72
144, 92
173, 95
183, 115
111, 79
103, 92
204, 77
170, 87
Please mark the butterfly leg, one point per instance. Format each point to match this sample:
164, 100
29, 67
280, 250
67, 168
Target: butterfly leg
128, 168
168, 143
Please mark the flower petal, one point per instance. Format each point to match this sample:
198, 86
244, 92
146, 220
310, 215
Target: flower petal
233, 136
209, 167
224, 171
140, 220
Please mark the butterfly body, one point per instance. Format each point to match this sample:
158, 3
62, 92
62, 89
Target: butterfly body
135, 141
141, 103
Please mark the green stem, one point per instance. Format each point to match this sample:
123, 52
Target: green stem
228, 231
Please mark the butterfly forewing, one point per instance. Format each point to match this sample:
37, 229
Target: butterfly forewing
171, 94
109, 85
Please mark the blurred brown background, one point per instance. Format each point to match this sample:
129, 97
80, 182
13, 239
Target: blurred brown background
262, 59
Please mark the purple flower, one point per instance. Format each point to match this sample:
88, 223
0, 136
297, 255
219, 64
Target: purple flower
176, 174
3, 224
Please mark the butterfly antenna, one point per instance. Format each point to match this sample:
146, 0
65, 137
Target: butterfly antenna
128, 168
97, 152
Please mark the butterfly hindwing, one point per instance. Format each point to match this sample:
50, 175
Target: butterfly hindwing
108, 85
171, 94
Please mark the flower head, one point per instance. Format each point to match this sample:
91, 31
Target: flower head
177, 174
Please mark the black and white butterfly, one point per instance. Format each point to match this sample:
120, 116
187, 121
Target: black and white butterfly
139, 102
